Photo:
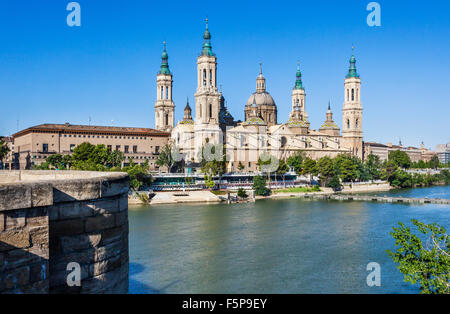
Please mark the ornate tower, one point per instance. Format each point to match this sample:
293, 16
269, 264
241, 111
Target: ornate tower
352, 111
164, 106
207, 96
329, 127
299, 95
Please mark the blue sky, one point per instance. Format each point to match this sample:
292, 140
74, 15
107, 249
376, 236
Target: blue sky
106, 69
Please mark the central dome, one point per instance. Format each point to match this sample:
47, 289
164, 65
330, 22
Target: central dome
260, 99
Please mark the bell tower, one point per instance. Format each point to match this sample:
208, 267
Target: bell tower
299, 96
352, 111
207, 97
164, 106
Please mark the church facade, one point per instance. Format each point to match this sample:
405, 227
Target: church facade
260, 132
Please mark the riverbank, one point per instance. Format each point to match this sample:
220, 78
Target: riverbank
204, 196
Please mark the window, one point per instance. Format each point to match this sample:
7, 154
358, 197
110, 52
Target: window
353, 94
109, 147
167, 93
134, 148
117, 147
126, 148
45, 148
210, 77
72, 146
156, 149
348, 98
210, 110
283, 141
167, 119
356, 122
162, 92
348, 124
204, 77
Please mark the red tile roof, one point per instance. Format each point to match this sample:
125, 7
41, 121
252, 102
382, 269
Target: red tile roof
91, 129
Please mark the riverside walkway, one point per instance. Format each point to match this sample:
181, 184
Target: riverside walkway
371, 198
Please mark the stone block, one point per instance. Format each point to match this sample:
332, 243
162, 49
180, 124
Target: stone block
113, 235
66, 227
121, 218
15, 196
104, 266
12, 239
79, 242
53, 212
108, 251
86, 256
16, 278
101, 222
15, 219
2, 222
114, 187
36, 217
39, 272
123, 202
39, 236
107, 205
75, 209
19, 258
71, 190
41, 194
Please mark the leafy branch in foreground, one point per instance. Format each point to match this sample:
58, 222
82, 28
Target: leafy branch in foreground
429, 265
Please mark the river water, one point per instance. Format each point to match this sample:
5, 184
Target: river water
272, 246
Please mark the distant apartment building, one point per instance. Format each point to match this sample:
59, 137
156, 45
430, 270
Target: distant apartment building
33, 145
383, 150
443, 152
7, 162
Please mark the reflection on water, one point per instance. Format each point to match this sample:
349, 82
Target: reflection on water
271, 246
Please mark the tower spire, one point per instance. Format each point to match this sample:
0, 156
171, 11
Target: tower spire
352, 69
298, 78
164, 61
207, 48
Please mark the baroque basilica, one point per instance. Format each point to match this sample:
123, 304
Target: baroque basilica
260, 132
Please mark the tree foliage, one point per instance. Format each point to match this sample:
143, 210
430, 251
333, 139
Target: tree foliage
400, 158
4, 150
427, 265
259, 185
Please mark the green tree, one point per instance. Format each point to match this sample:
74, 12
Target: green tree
241, 193
165, 158
139, 174
326, 171
334, 183
282, 170
426, 265
373, 166
259, 185
295, 161
346, 167
309, 167
4, 150
240, 166
401, 158
401, 179
434, 162
388, 169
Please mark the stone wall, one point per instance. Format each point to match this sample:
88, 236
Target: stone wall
49, 219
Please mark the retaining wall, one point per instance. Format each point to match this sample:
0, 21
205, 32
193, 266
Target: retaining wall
49, 219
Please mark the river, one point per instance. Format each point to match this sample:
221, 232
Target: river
272, 246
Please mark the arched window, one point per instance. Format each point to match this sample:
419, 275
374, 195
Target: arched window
353, 94
283, 141
356, 123
210, 110
348, 98
348, 124
167, 119
162, 93
167, 93
210, 78
204, 77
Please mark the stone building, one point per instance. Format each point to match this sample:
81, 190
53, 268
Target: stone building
443, 152
260, 132
33, 145
383, 150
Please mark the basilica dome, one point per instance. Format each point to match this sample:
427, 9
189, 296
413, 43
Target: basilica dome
260, 99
